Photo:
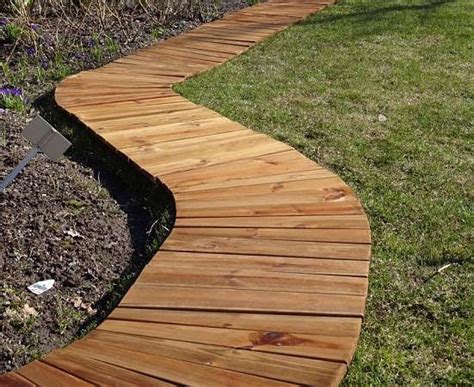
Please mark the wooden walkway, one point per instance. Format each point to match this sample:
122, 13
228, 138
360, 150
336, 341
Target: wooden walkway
263, 280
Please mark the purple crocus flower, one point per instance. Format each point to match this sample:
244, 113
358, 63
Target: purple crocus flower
80, 55
31, 51
10, 92
35, 27
44, 63
2, 111
90, 42
3, 21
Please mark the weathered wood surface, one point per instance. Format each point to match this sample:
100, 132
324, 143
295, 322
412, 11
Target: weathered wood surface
263, 280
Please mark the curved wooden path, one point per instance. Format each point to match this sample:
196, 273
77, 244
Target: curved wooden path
263, 280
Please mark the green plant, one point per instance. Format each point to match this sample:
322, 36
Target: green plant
11, 98
59, 69
157, 32
12, 32
12, 103
111, 46
96, 48
66, 315
18, 74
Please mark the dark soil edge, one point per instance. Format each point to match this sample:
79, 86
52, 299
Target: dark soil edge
121, 174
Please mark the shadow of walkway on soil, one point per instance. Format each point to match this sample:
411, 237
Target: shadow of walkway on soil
150, 208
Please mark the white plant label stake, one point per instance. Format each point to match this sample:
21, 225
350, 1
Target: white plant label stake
44, 138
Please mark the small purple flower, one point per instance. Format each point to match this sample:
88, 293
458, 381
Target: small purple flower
35, 27
90, 42
31, 51
44, 63
3, 21
10, 92
80, 55
2, 111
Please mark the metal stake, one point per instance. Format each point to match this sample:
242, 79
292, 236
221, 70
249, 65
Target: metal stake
22, 164
44, 138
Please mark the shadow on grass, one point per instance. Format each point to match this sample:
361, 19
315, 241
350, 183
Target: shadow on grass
149, 205
369, 14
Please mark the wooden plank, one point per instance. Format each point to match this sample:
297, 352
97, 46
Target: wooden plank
191, 56
162, 67
99, 90
319, 347
214, 154
233, 174
44, 374
157, 134
275, 209
177, 371
133, 109
288, 222
243, 301
116, 107
260, 15
193, 152
231, 28
243, 181
259, 262
157, 63
13, 379
286, 368
113, 79
102, 91
183, 147
334, 192
216, 34
229, 41
341, 235
86, 87
160, 61
324, 187
207, 50
149, 58
157, 119
98, 111
107, 79
216, 244
255, 20
221, 277
98, 372
255, 28
298, 2
210, 47
309, 325
72, 101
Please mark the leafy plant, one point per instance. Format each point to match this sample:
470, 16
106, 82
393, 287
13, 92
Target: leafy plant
12, 32
11, 98
157, 32
111, 45
66, 315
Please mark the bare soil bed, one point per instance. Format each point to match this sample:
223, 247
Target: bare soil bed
73, 221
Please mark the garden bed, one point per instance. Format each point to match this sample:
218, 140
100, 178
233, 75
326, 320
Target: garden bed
71, 221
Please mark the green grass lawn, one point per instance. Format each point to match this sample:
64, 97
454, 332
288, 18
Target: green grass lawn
321, 87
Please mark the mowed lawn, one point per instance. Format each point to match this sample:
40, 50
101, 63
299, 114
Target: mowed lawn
381, 93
